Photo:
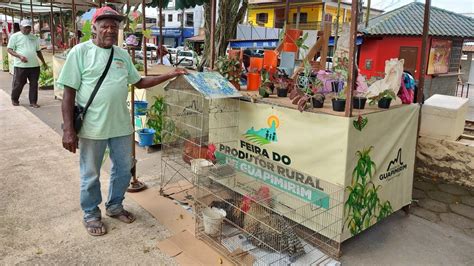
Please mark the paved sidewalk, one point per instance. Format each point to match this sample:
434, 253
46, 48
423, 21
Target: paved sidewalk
40, 216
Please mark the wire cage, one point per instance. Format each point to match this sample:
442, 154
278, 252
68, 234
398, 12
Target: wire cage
192, 125
264, 225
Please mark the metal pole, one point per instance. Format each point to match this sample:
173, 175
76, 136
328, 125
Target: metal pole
32, 20
424, 45
21, 12
352, 75
336, 35
287, 11
135, 185
161, 31
61, 22
51, 27
145, 63
74, 27
368, 14
213, 32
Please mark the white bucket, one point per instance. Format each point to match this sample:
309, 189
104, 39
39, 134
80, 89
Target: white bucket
212, 220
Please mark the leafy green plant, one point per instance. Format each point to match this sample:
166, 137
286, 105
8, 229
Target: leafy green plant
265, 83
140, 66
388, 94
300, 42
5, 63
230, 68
46, 77
86, 31
155, 117
363, 207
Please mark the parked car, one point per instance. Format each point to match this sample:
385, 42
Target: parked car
180, 48
186, 58
172, 54
149, 48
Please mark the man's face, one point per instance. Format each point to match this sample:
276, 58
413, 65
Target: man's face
25, 30
106, 32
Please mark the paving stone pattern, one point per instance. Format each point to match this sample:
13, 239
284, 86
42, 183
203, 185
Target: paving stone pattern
445, 203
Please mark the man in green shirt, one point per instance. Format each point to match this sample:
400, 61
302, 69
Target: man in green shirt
107, 121
25, 48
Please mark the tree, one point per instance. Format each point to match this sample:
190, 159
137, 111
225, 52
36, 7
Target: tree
230, 14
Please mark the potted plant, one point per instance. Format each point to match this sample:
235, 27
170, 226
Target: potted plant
359, 100
339, 101
282, 83
317, 94
266, 86
384, 99
231, 69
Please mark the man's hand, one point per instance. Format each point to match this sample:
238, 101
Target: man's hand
179, 71
45, 66
23, 59
70, 140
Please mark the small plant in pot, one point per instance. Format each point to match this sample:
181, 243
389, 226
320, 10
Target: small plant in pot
231, 69
384, 99
339, 102
359, 100
266, 86
317, 97
282, 83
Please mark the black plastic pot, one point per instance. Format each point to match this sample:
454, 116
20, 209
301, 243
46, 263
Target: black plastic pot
338, 105
318, 102
359, 102
282, 92
384, 103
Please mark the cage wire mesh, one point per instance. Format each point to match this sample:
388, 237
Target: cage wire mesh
192, 126
265, 225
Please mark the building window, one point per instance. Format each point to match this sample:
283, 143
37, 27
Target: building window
170, 17
180, 18
303, 18
189, 19
150, 20
262, 18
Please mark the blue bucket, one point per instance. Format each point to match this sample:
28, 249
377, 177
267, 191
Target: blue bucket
146, 136
140, 107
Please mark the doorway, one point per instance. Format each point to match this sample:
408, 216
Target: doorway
410, 55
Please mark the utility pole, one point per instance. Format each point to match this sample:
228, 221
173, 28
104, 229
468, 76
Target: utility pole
368, 14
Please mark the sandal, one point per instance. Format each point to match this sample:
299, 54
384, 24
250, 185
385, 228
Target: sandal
93, 226
124, 216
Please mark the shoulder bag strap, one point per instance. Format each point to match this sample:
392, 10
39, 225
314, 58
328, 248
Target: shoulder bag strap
101, 79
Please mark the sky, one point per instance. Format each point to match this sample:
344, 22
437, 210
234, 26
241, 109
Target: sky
458, 6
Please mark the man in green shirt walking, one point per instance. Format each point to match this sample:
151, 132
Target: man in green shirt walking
25, 48
107, 122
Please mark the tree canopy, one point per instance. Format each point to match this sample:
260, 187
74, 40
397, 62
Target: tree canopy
183, 4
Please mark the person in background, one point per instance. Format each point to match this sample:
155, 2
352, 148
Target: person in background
107, 122
24, 46
162, 52
16, 27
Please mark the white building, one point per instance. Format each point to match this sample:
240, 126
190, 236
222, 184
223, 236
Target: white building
175, 30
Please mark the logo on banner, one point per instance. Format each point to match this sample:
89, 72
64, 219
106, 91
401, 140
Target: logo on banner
395, 167
264, 135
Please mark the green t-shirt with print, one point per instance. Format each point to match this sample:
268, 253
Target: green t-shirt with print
108, 115
27, 46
